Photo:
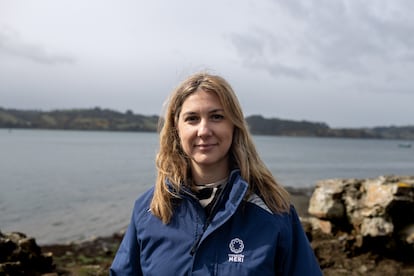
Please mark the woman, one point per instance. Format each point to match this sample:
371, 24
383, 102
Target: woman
215, 209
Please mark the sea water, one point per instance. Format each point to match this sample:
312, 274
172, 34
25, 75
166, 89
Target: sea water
61, 186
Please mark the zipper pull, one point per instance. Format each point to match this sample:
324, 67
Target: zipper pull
195, 245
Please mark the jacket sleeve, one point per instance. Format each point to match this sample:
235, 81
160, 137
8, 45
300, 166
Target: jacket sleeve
300, 258
127, 258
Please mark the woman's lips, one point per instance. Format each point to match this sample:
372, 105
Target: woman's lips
205, 146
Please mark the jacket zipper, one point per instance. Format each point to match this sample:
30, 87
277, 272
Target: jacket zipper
208, 220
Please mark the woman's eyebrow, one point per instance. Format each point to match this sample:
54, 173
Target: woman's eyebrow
216, 110
196, 112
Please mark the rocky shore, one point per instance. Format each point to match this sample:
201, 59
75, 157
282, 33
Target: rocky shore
356, 227
363, 226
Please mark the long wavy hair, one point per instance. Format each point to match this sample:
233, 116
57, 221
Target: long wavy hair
173, 164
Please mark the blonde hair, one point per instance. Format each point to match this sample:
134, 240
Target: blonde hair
172, 163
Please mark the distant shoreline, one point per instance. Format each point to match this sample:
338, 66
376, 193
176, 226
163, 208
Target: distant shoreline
109, 120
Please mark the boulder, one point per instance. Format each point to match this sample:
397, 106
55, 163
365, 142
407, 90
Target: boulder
326, 201
20, 255
377, 212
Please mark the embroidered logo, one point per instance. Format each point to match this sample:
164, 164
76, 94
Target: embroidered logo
236, 246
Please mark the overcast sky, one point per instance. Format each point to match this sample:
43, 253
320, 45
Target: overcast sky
345, 63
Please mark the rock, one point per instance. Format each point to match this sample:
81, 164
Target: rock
407, 234
375, 227
318, 224
326, 201
20, 255
376, 213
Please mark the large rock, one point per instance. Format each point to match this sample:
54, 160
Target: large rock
326, 202
20, 255
380, 209
363, 226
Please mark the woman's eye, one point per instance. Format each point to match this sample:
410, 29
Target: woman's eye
217, 117
191, 119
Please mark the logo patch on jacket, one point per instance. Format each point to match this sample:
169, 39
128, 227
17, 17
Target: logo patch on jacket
236, 246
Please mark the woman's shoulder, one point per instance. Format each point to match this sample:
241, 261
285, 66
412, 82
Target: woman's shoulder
259, 204
142, 203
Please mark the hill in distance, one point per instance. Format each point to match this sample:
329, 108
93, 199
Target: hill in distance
110, 120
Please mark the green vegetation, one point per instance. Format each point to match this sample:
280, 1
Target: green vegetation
77, 119
260, 125
105, 119
91, 257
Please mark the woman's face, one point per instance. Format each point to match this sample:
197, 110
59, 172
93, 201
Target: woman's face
205, 131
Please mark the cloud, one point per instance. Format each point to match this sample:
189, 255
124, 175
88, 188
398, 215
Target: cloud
324, 38
347, 36
12, 45
261, 50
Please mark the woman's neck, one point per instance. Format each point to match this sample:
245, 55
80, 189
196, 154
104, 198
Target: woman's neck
211, 184
201, 177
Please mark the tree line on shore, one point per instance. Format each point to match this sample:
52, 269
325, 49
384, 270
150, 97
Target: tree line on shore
110, 120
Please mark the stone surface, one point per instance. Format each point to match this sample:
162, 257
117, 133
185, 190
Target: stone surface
407, 234
326, 201
375, 233
375, 213
20, 255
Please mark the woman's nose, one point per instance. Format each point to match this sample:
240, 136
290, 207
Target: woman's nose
204, 128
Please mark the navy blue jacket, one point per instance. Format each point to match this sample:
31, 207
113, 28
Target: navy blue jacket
243, 238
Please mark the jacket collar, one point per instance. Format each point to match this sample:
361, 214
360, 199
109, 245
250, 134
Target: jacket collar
235, 191
234, 177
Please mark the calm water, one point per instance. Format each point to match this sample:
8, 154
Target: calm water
60, 186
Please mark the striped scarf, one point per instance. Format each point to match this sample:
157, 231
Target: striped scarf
207, 193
